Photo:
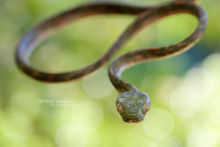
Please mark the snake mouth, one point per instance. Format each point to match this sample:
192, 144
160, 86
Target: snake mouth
133, 121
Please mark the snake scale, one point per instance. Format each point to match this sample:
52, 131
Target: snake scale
131, 103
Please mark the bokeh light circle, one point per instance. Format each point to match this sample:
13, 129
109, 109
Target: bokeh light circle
16, 127
184, 103
214, 110
88, 115
70, 135
202, 137
158, 123
170, 141
97, 85
212, 63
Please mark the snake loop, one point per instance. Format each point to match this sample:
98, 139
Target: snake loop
132, 104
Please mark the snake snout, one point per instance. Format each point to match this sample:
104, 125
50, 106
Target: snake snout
133, 118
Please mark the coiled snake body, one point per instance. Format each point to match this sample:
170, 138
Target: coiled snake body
132, 104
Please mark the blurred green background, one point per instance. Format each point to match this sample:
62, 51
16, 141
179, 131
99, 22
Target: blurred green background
184, 90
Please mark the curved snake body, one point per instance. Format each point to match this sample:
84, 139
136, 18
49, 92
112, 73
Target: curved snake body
132, 104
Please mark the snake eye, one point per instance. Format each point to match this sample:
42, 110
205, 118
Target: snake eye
145, 108
120, 108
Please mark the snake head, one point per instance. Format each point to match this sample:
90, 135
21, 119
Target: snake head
133, 105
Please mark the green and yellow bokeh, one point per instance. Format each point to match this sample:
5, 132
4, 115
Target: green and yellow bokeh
184, 90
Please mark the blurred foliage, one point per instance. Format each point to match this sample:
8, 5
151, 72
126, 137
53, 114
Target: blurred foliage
184, 89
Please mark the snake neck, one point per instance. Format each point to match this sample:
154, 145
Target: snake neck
121, 86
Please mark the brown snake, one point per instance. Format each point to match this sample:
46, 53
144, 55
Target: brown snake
132, 104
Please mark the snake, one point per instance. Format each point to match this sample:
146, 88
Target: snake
132, 104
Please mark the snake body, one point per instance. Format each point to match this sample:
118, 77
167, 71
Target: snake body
132, 104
